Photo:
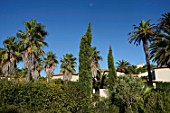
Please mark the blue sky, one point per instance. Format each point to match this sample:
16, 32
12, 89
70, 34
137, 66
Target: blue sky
66, 22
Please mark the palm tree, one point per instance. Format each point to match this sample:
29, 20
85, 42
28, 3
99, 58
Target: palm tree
100, 81
95, 61
50, 62
160, 47
122, 65
68, 65
38, 68
143, 32
21, 72
32, 41
132, 70
10, 55
160, 51
142, 69
165, 21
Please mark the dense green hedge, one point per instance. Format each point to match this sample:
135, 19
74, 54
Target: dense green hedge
44, 97
163, 86
131, 95
157, 102
128, 95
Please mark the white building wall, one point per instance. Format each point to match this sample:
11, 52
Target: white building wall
57, 77
143, 74
162, 74
120, 74
103, 93
75, 78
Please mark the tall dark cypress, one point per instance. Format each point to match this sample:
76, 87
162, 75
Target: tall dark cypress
89, 34
112, 72
85, 74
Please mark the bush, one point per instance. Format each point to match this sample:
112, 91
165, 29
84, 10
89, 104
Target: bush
163, 86
40, 96
12, 109
104, 106
127, 94
157, 102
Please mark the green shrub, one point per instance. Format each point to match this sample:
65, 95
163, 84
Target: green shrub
163, 86
127, 94
40, 96
104, 106
12, 109
157, 102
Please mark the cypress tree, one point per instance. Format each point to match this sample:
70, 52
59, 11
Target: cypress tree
85, 74
112, 72
89, 34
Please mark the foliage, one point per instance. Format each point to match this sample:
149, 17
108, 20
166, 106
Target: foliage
21, 72
143, 32
32, 41
100, 81
97, 75
50, 62
103, 106
159, 49
163, 86
122, 65
127, 94
10, 55
157, 102
112, 72
0, 70
134, 70
95, 61
40, 96
85, 74
76, 99
68, 65
12, 109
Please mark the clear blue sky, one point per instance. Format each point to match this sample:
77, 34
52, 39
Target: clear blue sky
66, 22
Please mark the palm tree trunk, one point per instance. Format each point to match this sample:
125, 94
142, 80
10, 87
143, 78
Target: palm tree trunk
145, 47
28, 64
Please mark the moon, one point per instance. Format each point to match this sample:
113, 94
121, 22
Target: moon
91, 4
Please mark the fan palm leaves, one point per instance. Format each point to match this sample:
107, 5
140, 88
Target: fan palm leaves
143, 33
10, 55
95, 61
32, 41
160, 47
68, 65
49, 63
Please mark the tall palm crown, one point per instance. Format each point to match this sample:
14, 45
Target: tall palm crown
10, 55
122, 65
50, 62
160, 47
95, 61
32, 41
165, 22
68, 65
143, 32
